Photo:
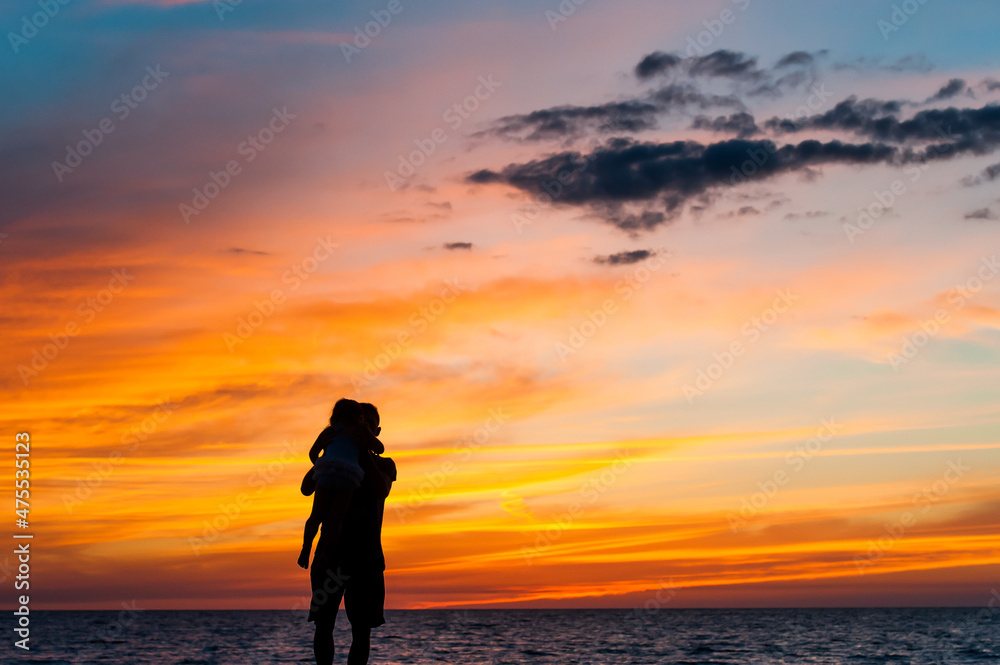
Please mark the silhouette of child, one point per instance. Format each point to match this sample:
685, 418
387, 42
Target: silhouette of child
336, 474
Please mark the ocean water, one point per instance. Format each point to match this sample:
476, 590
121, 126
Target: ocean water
495, 637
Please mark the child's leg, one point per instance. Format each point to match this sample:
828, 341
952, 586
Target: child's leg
320, 506
336, 510
333, 517
308, 482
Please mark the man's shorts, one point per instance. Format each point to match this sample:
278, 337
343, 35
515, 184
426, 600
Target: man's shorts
363, 593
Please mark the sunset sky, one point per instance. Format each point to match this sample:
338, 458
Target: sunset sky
690, 295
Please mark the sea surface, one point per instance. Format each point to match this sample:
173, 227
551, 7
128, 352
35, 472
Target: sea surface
495, 637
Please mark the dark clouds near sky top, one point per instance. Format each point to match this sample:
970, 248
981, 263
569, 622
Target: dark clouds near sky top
638, 185
676, 91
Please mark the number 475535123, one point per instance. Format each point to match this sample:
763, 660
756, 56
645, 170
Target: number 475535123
22, 477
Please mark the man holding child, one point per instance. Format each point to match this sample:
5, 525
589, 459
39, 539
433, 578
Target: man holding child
348, 563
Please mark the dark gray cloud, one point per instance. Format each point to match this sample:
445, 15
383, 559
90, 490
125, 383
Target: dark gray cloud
625, 258
726, 64
680, 95
962, 129
570, 121
623, 117
850, 114
655, 63
949, 90
810, 214
797, 58
741, 124
457, 245
991, 172
634, 222
982, 213
742, 211
241, 250
663, 177
722, 63
794, 70
718, 64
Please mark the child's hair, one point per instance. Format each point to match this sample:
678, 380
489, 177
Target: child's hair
345, 411
370, 412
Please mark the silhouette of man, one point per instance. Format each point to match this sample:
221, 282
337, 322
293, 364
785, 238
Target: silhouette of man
351, 566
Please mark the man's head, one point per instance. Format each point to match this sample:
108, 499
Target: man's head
371, 417
346, 411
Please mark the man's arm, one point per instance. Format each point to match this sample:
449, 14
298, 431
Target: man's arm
381, 479
369, 441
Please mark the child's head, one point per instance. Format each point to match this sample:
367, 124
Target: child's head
346, 411
370, 414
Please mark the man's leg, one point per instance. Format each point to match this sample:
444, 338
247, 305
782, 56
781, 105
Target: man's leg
323, 640
361, 642
323, 607
364, 599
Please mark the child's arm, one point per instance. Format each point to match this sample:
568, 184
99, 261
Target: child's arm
317, 447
